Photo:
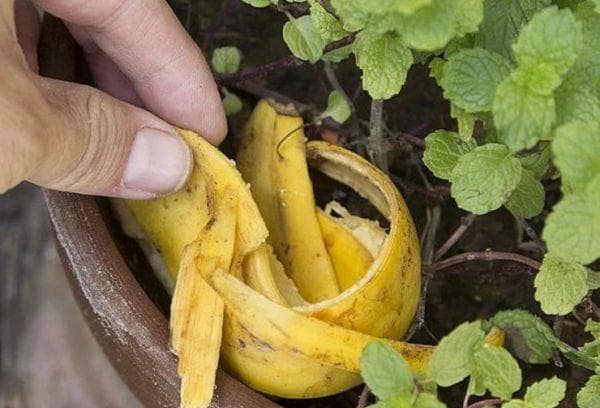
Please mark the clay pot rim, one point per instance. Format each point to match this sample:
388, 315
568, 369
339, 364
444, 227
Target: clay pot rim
126, 323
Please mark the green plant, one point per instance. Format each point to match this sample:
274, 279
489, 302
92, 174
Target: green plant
522, 79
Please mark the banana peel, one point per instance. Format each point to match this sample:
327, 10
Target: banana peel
289, 319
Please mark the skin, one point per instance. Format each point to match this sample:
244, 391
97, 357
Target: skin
149, 75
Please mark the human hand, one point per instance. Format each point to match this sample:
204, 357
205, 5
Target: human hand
71, 137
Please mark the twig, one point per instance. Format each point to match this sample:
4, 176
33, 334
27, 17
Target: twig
278, 64
333, 81
419, 128
364, 397
533, 236
557, 328
262, 92
409, 138
377, 149
464, 225
428, 243
485, 256
215, 24
357, 91
485, 403
435, 193
258, 72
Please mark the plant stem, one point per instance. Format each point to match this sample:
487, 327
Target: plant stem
278, 64
435, 193
409, 138
215, 24
262, 92
376, 143
485, 256
258, 72
364, 397
533, 236
485, 403
464, 225
428, 243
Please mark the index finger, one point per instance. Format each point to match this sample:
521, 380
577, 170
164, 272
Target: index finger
147, 42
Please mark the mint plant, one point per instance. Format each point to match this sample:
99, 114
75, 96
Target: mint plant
522, 82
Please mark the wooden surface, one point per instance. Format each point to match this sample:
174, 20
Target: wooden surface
48, 357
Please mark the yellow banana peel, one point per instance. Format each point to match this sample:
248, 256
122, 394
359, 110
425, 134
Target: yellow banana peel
290, 313
273, 144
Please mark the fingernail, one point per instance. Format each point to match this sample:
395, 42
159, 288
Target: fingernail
159, 163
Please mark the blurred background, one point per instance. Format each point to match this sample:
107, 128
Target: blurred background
48, 357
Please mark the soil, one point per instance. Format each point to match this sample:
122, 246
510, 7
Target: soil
472, 290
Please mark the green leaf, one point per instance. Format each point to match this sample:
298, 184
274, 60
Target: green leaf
384, 61
430, 27
593, 328
436, 68
538, 162
484, 178
502, 21
586, 66
329, 27
385, 371
469, 14
470, 78
442, 151
527, 336
576, 148
450, 362
399, 401
389, 6
576, 356
259, 3
465, 122
546, 393
516, 403
232, 104
587, 397
534, 46
560, 285
498, 369
338, 54
575, 103
226, 60
337, 107
527, 200
572, 230
521, 116
426, 400
541, 79
593, 279
303, 39
352, 13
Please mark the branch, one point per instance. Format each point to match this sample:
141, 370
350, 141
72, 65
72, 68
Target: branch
533, 236
428, 243
464, 225
284, 62
262, 92
485, 403
376, 142
364, 397
215, 24
485, 256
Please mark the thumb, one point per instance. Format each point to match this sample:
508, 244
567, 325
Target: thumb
92, 143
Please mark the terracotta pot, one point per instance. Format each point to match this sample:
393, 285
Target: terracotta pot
124, 307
